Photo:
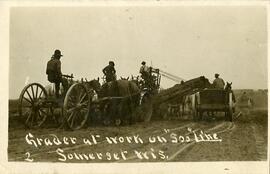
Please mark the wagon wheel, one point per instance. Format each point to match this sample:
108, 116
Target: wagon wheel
76, 106
31, 105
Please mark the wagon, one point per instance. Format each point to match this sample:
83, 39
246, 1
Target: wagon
212, 100
79, 100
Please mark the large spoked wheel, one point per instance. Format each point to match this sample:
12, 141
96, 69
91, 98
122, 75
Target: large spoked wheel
31, 105
76, 106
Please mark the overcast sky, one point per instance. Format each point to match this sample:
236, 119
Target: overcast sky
186, 41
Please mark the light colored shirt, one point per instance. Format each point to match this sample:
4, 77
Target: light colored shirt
218, 83
144, 68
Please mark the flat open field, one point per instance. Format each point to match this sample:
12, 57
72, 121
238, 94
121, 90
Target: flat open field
179, 139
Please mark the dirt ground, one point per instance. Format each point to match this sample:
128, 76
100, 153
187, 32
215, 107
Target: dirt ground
178, 139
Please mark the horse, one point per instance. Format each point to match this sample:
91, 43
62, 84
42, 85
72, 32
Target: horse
228, 88
118, 99
93, 84
123, 78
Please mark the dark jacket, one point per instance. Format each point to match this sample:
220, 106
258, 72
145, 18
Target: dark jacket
53, 70
109, 70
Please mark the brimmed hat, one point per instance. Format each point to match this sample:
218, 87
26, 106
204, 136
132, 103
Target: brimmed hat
57, 53
143, 63
111, 62
216, 75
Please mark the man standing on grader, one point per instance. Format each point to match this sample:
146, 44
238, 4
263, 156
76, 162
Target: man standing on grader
109, 72
145, 74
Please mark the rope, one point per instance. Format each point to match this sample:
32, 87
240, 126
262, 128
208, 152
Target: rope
171, 76
175, 80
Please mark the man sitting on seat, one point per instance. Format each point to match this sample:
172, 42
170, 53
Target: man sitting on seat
53, 71
218, 82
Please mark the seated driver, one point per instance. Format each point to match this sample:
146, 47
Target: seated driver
54, 73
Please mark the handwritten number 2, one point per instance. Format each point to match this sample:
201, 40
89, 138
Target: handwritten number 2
28, 157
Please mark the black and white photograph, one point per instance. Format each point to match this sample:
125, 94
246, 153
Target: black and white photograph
130, 84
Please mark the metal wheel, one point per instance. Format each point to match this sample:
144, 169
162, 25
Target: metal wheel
31, 105
76, 106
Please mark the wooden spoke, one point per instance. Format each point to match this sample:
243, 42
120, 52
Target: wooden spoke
29, 111
37, 91
27, 100
70, 116
29, 116
71, 105
80, 94
72, 120
40, 94
84, 110
81, 100
29, 96
71, 109
32, 90
84, 103
71, 98
44, 112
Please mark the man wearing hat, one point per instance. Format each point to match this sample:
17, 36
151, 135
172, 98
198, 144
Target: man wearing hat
218, 82
53, 71
144, 70
109, 72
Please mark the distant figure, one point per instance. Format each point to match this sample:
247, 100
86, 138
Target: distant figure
110, 72
53, 71
218, 82
244, 97
144, 70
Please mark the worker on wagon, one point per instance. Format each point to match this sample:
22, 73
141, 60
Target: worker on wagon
218, 82
144, 70
110, 72
53, 71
